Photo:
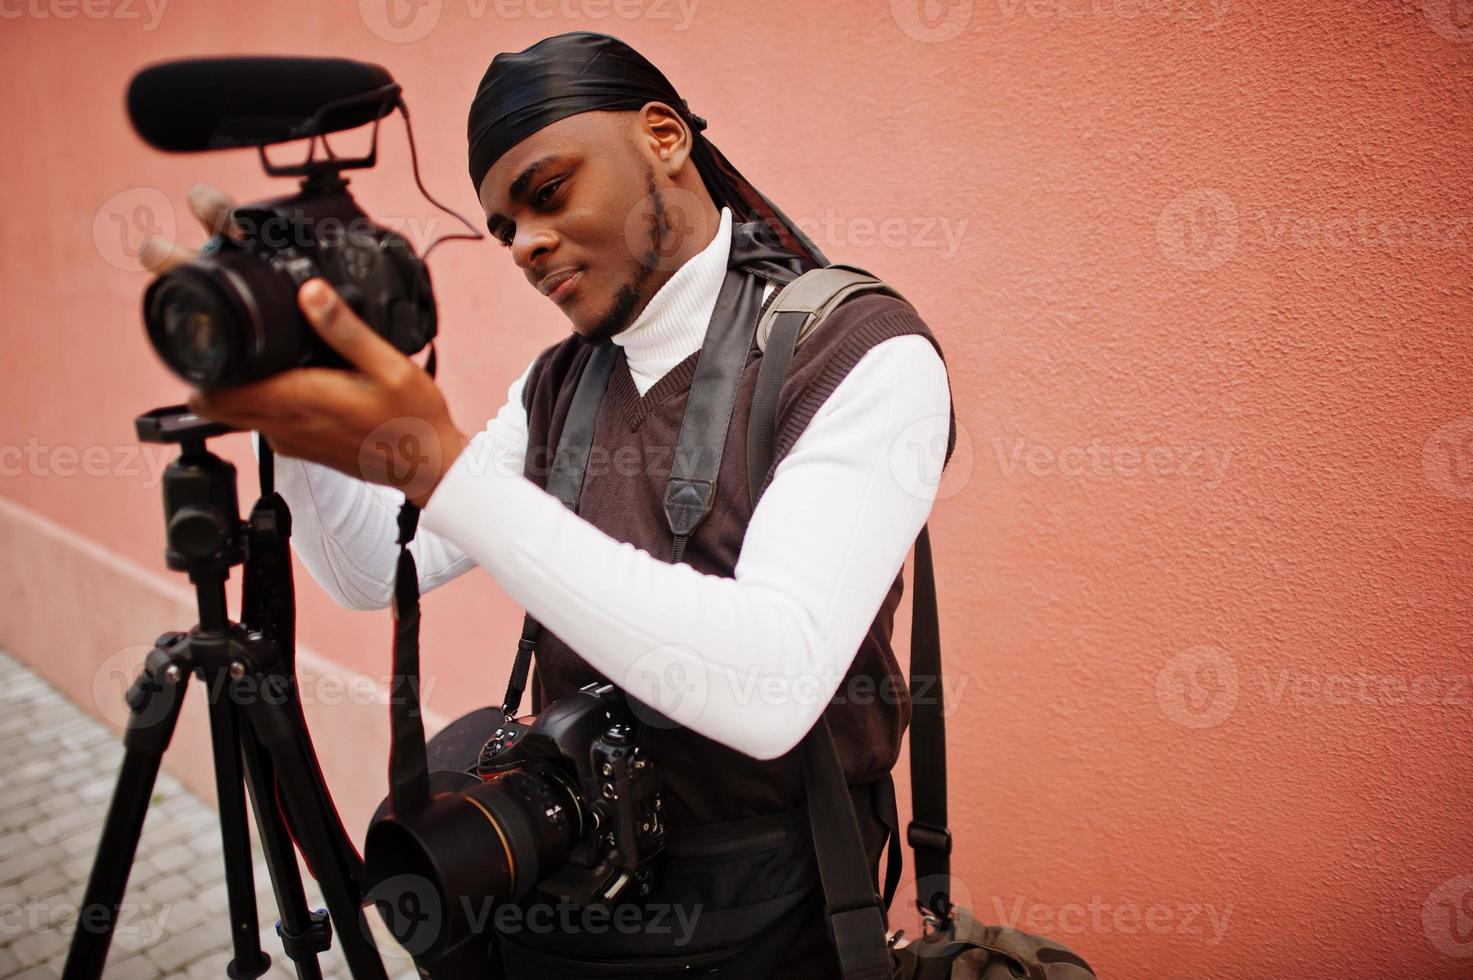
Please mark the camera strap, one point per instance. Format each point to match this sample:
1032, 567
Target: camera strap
268, 606
409, 771
409, 767
268, 602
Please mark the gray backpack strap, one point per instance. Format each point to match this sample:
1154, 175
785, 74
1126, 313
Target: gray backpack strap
815, 293
796, 310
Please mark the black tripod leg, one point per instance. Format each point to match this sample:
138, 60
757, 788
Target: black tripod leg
304, 933
153, 701
275, 716
225, 734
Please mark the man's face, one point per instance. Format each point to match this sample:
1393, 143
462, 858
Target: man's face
582, 196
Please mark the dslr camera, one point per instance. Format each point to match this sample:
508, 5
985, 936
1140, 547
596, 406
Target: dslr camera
562, 802
231, 316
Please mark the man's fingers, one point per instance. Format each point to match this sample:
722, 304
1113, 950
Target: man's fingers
337, 324
244, 406
212, 207
159, 255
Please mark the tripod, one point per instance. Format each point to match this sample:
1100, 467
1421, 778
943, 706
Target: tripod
257, 727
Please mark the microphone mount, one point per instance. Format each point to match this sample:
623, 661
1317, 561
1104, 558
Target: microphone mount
387, 99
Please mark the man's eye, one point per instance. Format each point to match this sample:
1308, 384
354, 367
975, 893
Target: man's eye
548, 189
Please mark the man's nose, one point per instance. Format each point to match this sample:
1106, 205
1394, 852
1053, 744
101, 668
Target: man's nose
530, 244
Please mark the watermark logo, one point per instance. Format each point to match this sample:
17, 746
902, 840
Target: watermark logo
406, 21
1447, 917
1198, 688
931, 21
411, 908
139, 925
112, 680
659, 229
149, 12
932, 233
1447, 459
670, 682
1209, 464
909, 890
1198, 230
400, 21
1451, 19
116, 675
405, 453
128, 219
1302, 690
145, 463
1099, 917
1201, 230
1208, 13
918, 458
1363, 229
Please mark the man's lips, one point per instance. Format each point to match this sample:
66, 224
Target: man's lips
556, 286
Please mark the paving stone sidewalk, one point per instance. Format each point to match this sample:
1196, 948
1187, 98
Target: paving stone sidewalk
58, 767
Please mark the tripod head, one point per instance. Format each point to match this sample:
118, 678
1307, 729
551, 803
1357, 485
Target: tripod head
201, 508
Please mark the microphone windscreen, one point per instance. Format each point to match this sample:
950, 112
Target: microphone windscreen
220, 103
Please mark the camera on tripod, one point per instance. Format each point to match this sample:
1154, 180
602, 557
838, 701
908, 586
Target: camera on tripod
230, 316
562, 801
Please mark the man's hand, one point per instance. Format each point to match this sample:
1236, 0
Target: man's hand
385, 422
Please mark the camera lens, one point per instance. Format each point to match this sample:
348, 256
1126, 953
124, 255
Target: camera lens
488, 841
192, 327
207, 320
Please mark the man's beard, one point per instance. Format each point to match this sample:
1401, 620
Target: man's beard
627, 300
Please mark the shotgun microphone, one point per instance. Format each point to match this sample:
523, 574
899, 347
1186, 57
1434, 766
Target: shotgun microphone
194, 104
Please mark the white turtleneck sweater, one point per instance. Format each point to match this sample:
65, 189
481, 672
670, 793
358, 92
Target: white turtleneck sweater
748, 661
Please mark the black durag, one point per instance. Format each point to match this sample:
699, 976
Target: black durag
584, 71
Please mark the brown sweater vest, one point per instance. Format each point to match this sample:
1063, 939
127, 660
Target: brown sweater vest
623, 496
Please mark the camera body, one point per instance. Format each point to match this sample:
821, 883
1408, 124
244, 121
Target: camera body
230, 316
585, 743
562, 802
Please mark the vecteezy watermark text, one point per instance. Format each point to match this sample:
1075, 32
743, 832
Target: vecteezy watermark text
1206, 463
1100, 917
406, 21
37, 459
148, 11
145, 921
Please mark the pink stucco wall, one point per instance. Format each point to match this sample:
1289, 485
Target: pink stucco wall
1202, 272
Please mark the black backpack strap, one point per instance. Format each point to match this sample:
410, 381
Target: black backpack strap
927, 834
855, 913
792, 315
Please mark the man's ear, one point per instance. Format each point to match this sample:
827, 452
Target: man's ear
666, 136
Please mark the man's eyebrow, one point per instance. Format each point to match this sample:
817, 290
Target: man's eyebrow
519, 185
